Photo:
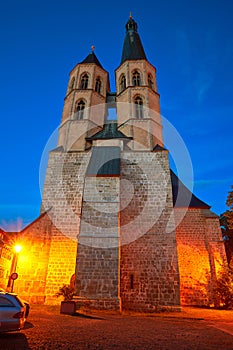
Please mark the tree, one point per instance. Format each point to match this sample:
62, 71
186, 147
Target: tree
226, 222
224, 289
229, 213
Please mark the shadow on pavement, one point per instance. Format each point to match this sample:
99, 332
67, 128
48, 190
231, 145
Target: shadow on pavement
28, 325
77, 314
13, 341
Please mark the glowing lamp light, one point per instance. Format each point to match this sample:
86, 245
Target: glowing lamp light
17, 248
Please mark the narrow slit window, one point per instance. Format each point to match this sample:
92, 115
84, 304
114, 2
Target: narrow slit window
122, 83
139, 113
71, 84
131, 282
136, 78
150, 81
84, 82
98, 85
80, 110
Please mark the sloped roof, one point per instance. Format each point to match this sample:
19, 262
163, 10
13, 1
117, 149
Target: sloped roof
183, 197
105, 161
91, 58
109, 131
132, 48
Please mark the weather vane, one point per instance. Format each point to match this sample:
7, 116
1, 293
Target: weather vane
130, 15
92, 48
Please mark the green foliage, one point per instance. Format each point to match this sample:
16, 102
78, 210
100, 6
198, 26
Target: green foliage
66, 291
224, 289
229, 213
226, 222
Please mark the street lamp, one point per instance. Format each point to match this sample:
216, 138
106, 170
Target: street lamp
17, 248
14, 275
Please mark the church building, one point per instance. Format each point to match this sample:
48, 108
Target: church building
116, 222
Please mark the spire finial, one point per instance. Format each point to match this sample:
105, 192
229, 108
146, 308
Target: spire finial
130, 15
92, 48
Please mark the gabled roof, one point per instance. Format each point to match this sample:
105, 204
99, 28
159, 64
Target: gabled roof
182, 197
132, 48
91, 58
109, 131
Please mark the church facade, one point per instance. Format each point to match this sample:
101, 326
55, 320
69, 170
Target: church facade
115, 219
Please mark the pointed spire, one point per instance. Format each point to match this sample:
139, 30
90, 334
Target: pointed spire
91, 58
132, 48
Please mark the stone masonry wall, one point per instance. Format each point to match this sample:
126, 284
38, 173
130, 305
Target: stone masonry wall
98, 251
149, 265
47, 260
200, 251
61, 264
45, 263
6, 255
63, 190
32, 265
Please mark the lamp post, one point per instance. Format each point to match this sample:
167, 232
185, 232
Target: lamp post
14, 275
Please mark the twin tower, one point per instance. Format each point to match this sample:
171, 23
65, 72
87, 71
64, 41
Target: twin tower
108, 185
136, 100
121, 223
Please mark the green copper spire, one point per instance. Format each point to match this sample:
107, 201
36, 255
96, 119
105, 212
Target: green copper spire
132, 48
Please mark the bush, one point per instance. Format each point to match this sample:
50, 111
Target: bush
224, 289
66, 291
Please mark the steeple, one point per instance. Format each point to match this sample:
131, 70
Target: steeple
91, 58
132, 48
88, 86
136, 87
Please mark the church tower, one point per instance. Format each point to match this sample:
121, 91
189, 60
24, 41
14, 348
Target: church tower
108, 185
116, 223
88, 86
137, 93
127, 256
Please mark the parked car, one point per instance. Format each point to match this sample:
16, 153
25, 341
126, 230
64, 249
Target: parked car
13, 312
27, 305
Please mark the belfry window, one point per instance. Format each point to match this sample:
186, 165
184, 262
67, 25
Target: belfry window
98, 85
138, 107
84, 82
71, 84
136, 78
150, 81
122, 83
80, 110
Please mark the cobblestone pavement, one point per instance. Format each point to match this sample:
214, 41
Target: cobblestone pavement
193, 329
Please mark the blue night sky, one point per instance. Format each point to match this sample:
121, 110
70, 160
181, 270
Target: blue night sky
189, 42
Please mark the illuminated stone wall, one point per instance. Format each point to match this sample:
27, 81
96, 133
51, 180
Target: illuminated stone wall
147, 272
6, 257
45, 263
149, 266
200, 253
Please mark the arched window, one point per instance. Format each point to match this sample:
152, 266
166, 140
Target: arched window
122, 83
80, 110
150, 81
84, 82
136, 78
98, 85
138, 107
71, 84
